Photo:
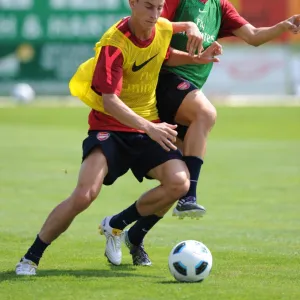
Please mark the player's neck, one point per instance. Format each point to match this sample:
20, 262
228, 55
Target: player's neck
136, 29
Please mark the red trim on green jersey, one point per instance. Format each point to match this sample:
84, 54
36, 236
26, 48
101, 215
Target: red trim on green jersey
231, 19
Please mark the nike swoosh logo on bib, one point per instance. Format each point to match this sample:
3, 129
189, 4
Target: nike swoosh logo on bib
136, 68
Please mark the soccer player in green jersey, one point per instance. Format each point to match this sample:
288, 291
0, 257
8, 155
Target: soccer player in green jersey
179, 96
181, 101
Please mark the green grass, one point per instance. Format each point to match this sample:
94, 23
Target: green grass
250, 185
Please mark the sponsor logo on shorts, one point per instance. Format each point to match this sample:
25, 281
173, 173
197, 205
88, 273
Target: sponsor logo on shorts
183, 86
102, 136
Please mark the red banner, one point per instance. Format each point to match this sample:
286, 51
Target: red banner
263, 13
294, 9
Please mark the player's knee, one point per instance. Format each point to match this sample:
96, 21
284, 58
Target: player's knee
178, 185
82, 198
208, 114
212, 116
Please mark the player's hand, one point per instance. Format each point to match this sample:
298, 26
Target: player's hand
195, 39
164, 134
209, 55
293, 24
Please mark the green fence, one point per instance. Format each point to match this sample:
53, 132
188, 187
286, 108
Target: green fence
43, 41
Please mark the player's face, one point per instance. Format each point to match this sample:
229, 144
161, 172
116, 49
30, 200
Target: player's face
146, 11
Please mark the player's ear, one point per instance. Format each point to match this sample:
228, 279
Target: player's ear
132, 3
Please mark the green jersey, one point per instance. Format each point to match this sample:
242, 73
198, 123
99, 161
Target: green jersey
208, 19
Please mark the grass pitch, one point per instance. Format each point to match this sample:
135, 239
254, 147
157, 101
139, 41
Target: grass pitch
250, 185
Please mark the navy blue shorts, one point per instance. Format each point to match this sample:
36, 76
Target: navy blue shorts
170, 93
127, 150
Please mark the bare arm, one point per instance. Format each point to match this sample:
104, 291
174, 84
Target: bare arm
120, 111
259, 36
195, 37
182, 26
179, 58
163, 133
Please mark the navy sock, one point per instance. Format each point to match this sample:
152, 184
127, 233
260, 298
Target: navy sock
35, 252
138, 231
124, 218
194, 165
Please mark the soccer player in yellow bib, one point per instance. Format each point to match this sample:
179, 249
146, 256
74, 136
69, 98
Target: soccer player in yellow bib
125, 132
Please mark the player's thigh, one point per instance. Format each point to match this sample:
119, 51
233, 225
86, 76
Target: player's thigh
92, 173
170, 93
151, 155
114, 148
193, 105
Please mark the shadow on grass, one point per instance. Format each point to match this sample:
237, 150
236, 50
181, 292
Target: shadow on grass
123, 267
175, 282
120, 271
